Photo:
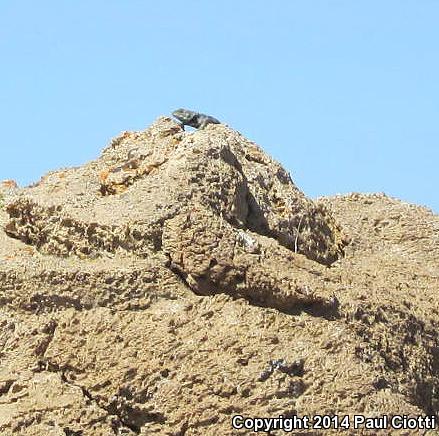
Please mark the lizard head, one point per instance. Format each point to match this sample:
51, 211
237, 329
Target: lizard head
183, 114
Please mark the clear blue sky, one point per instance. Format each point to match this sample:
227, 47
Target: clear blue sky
344, 93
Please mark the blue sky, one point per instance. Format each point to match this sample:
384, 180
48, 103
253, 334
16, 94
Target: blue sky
344, 93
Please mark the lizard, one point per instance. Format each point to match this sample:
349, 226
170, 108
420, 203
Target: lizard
194, 119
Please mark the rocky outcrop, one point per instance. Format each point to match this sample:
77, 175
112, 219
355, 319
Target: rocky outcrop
152, 193
182, 278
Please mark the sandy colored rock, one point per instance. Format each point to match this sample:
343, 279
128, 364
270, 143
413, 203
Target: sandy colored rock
182, 278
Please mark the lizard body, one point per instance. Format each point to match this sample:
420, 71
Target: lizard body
194, 119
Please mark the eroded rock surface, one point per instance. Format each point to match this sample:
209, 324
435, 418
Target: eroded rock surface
182, 278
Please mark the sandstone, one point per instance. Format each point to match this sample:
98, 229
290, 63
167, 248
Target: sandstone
182, 278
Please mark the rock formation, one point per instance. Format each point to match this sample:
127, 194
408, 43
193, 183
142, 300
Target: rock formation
182, 278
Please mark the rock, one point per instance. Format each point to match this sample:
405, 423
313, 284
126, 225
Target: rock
183, 278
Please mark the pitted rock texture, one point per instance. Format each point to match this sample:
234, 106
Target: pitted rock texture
159, 173
182, 278
95, 211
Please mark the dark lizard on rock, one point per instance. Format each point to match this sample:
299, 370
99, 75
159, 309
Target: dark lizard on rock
194, 119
